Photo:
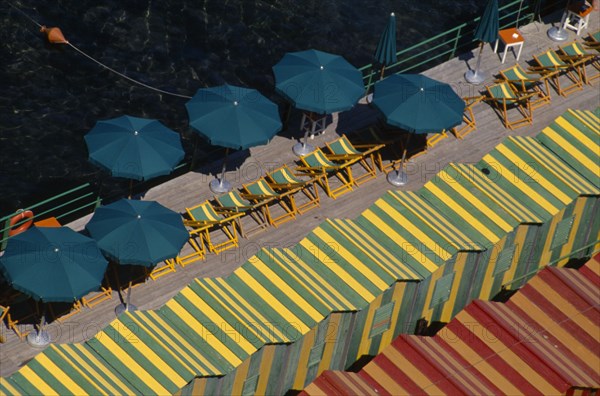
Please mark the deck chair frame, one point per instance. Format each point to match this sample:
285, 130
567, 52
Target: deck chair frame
236, 202
575, 54
511, 99
523, 82
317, 165
213, 218
284, 180
198, 252
367, 156
557, 69
468, 123
260, 190
162, 270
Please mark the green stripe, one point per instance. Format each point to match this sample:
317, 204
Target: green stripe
48, 377
9, 387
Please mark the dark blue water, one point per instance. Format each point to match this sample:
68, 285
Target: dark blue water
51, 96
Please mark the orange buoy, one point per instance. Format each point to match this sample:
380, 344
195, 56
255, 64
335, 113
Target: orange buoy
54, 35
19, 217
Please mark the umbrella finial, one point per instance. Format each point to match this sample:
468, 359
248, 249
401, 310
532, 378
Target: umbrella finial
235, 103
321, 67
139, 216
56, 250
135, 133
392, 14
422, 89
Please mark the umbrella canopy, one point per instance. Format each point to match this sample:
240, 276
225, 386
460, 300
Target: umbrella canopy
137, 232
318, 81
134, 148
385, 54
233, 117
418, 103
53, 264
487, 30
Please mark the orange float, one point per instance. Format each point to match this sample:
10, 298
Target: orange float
54, 35
26, 214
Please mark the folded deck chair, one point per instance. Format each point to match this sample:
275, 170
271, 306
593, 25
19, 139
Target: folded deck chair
526, 83
575, 54
284, 180
468, 124
368, 156
203, 219
316, 164
259, 191
549, 63
255, 211
503, 98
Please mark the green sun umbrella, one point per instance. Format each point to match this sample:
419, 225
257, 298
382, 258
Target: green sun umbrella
486, 32
419, 105
52, 265
385, 53
232, 117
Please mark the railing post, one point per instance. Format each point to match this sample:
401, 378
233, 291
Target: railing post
458, 34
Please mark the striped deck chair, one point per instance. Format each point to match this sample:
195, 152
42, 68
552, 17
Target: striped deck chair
260, 190
317, 165
284, 180
257, 212
468, 124
524, 82
368, 156
593, 41
575, 54
161, 270
95, 298
64, 315
204, 218
503, 98
551, 64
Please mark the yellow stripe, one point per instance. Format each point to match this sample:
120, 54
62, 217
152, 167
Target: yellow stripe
523, 165
460, 211
80, 366
308, 341
243, 309
355, 262
520, 73
567, 146
473, 200
578, 134
203, 332
520, 184
506, 90
266, 364
339, 271
331, 334
209, 213
60, 375
218, 320
450, 304
365, 340
147, 352
239, 377
418, 233
427, 308
286, 289
12, 391
35, 380
397, 296
98, 366
412, 372
519, 243
307, 274
387, 382
588, 118
271, 301
400, 241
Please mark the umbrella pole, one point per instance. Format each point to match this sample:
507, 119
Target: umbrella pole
41, 338
130, 187
382, 71
399, 177
128, 298
220, 185
476, 76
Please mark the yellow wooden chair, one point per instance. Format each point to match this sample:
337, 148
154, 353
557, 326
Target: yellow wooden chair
367, 156
575, 54
285, 181
95, 298
198, 253
503, 98
203, 219
527, 83
259, 191
550, 63
168, 267
62, 316
468, 124
316, 164
255, 212
13, 324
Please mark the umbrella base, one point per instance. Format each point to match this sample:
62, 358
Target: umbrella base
301, 149
397, 178
474, 76
219, 187
557, 34
39, 339
125, 308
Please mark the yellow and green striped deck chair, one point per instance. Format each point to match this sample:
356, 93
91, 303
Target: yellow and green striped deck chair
234, 201
503, 98
574, 54
203, 219
317, 164
284, 180
468, 124
368, 156
593, 40
524, 82
550, 63
260, 190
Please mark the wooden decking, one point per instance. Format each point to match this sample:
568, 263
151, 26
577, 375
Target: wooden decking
192, 188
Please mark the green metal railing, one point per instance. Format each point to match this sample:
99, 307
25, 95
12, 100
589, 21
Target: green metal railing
428, 53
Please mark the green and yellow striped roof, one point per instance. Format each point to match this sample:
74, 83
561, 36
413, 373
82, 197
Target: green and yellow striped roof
504, 199
9, 388
466, 206
575, 137
74, 369
511, 166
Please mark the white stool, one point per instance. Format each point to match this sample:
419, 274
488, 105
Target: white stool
313, 124
577, 18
